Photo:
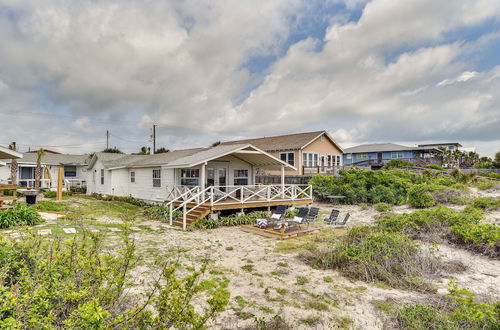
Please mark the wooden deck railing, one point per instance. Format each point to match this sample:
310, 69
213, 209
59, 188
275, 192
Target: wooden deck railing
190, 199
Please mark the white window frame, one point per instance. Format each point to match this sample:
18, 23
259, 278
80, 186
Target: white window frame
362, 156
132, 177
238, 176
156, 176
310, 159
190, 174
287, 157
348, 156
397, 154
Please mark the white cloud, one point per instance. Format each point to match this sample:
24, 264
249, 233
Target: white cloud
395, 73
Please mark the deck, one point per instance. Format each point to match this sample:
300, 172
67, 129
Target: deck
196, 203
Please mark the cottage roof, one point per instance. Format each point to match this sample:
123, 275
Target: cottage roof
383, 147
284, 142
56, 159
6, 153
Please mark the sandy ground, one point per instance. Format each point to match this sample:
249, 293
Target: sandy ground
348, 302
280, 283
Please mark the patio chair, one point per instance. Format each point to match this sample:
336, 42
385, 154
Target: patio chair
312, 215
343, 222
298, 219
333, 217
275, 217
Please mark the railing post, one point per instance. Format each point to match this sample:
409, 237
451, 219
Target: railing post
170, 211
268, 193
184, 217
212, 196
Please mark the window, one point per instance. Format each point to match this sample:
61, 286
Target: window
102, 176
132, 177
288, 157
190, 177
361, 156
70, 171
348, 156
310, 159
240, 177
157, 178
398, 154
337, 160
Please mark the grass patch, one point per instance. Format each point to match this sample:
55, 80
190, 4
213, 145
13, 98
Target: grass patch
248, 268
301, 280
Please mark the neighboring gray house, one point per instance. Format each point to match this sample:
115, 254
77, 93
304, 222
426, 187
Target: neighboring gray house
74, 170
448, 146
378, 154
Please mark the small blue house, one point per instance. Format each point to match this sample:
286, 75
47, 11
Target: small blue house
378, 154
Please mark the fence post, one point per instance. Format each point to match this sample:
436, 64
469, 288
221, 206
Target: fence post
184, 217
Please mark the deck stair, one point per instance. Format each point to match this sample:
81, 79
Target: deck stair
199, 213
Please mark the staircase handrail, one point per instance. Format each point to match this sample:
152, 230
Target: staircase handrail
184, 204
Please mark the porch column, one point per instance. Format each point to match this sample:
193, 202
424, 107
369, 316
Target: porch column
202, 176
282, 181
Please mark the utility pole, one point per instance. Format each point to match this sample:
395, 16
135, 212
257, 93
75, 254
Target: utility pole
107, 139
154, 139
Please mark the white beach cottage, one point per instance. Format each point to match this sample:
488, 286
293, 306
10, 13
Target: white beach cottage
197, 181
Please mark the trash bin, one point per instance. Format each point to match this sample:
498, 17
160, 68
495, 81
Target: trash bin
30, 199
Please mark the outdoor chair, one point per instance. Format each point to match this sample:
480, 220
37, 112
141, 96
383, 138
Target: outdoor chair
343, 222
312, 215
275, 217
298, 219
333, 217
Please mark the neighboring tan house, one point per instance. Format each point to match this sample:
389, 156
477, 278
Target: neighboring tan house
74, 170
310, 152
378, 154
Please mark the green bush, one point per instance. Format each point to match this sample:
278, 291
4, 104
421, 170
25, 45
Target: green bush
382, 207
77, 284
234, 220
126, 199
490, 175
428, 225
78, 190
419, 196
20, 215
372, 256
360, 186
53, 194
291, 213
482, 238
162, 213
397, 163
484, 185
486, 203
434, 167
457, 310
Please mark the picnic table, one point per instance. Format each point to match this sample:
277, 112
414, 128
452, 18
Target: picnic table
335, 199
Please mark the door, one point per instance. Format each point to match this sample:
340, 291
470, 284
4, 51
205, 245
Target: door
379, 157
222, 178
217, 176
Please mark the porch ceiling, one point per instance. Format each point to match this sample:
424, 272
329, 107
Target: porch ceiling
6, 153
2, 163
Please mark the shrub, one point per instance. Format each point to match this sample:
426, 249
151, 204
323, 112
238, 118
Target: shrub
126, 199
365, 186
397, 163
383, 207
162, 213
457, 310
419, 196
486, 203
434, 167
78, 190
291, 213
234, 220
20, 215
490, 175
419, 224
53, 194
365, 254
484, 185
75, 284
481, 238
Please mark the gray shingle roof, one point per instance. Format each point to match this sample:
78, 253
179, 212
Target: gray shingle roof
55, 159
281, 142
383, 147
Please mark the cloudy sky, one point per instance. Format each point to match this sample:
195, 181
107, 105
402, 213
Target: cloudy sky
366, 71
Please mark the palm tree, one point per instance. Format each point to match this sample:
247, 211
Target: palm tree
38, 169
13, 165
